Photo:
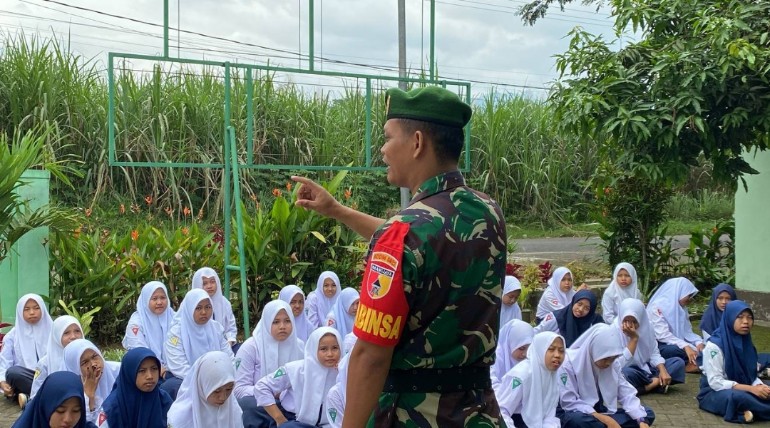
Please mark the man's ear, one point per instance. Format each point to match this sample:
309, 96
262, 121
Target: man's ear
419, 144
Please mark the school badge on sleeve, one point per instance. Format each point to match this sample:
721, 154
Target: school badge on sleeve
380, 274
563, 378
515, 383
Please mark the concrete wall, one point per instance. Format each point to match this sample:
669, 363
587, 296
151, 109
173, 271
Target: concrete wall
752, 236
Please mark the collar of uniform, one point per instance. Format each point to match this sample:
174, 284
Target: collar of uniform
440, 183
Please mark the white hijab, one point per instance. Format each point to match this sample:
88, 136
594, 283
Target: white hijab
513, 335
301, 323
272, 353
542, 389
508, 313
618, 293
154, 327
218, 301
55, 351
196, 339
31, 342
553, 291
191, 410
310, 380
323, 303
598, 342
665, 302
72, 354
647, 341
343, 321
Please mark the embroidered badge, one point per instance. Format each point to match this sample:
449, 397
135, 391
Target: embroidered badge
237, 363
135, 329
382, 269
330, 323
659, 312
713, 354
555, 301
278, 373
516, 383
102, 418
174, 340
548, 317
37, 373
564, 378
333, 414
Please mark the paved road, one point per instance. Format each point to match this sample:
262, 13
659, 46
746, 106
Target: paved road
568, 249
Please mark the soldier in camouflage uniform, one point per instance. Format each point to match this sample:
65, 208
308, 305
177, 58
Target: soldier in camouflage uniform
428, 314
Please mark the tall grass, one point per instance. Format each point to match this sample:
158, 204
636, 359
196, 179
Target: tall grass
168, 113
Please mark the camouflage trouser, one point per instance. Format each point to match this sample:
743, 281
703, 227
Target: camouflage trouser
474, 408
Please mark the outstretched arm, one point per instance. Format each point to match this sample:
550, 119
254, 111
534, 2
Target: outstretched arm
314, 197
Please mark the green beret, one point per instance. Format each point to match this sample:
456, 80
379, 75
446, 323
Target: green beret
429, 104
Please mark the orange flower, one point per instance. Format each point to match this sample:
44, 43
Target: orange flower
186, 211
148, 199
185, 231
288, 186
714, 230
348, 193
122, 209
76, 232
276, 192
607, 190
88, 212
134, 235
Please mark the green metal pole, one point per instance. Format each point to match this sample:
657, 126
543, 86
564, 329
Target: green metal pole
432, 39
227, 185
311, 33
368, 135
111, 108
239, 225
165, 28
249, 117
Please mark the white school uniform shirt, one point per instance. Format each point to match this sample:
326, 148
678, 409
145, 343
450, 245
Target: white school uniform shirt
647, 347
190, 410
530, 389
336, 398
548, 323
714, 369
513, 311
187, 340
72, 354
669, 319
54, 358
26, 343
615, 294
308, 382
581, 393
553, 298
261, 354
223, 309
145, 329
513, 335
317, 304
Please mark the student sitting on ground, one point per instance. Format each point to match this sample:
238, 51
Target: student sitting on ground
59, 403
642, 364
669, 317
320, 302
136, 401
512, 344
721, 295
295, 297
594, 393
509, 309
303, 385
729, 386
337, 396
192, 334
529, 393
23, 347
207, 279
622, 287
574, 319
64, 330
557, 295
84, 359
342, 316
148, 327
273, 344
205, 398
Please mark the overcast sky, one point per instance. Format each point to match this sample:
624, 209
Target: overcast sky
477, 40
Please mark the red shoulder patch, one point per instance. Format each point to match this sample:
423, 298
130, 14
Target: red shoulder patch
135, 329
555, 302
102, 418
548, 317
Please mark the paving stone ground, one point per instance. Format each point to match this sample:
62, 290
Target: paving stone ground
677, 409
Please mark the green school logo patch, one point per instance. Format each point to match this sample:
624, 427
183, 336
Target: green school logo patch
713, 354
516, 383
333, 414
280, 372
564, 378
237, 363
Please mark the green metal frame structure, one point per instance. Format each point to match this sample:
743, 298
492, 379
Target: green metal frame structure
231, 164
